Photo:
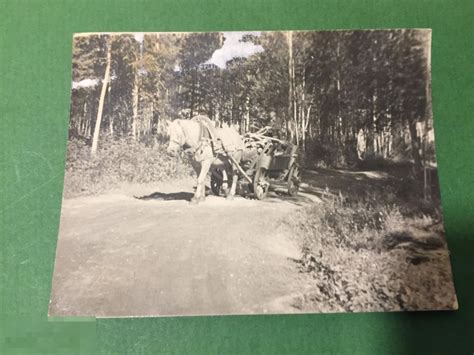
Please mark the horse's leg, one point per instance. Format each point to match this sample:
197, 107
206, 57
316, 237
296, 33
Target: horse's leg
197, 169
231, 194
225, 179
199, 194
205, 166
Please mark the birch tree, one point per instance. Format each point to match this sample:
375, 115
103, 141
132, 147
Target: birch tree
105, 82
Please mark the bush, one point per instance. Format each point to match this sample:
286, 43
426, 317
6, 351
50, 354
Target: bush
330, 155
118, 161
368, 257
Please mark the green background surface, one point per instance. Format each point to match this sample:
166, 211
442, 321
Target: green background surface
35, 62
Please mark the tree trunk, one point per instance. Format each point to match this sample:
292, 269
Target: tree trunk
290, 83
247, 114
135, 94
83, 125
193, 93
338, 90
415, 146
110, 115
111, 126
105, 82
428, 117
232, 111
305, 124
135, 107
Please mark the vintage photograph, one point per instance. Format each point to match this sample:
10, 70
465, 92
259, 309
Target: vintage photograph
224, 173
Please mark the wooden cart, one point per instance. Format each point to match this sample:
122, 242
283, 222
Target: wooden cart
265, 160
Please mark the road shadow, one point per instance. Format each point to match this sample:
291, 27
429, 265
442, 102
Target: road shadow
278, 195
162, 196
318, 184
322, 181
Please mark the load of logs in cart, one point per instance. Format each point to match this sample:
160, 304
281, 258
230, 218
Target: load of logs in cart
266, 160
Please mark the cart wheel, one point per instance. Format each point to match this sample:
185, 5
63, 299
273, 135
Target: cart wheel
261, 184
294, 180
216, 182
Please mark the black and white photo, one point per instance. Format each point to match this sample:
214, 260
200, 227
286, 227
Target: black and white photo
224, 173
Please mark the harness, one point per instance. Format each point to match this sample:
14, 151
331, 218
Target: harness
207, 138
207, 135
204, 141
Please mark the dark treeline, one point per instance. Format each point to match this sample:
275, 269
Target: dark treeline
340, 95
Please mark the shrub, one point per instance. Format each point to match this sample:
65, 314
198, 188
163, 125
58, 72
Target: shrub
118, 161
365, 256
330, 155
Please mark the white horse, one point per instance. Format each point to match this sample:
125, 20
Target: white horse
193, 137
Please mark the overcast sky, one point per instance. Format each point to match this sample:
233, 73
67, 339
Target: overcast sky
234, 48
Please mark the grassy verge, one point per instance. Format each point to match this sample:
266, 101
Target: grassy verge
118, 161
369, 255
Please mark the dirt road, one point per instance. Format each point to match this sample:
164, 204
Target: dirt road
145, 251
155, 254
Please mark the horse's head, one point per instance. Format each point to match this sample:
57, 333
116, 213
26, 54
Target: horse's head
177, 138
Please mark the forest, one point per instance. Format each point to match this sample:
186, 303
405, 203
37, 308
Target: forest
356, 103
342, 96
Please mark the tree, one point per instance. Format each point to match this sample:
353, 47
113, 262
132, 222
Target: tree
196, 49
88, 65
321, 89
105, 82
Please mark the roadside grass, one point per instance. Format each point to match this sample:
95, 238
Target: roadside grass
118, 161
373, 253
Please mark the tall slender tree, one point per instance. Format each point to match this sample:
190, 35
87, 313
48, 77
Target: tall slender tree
105, 82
